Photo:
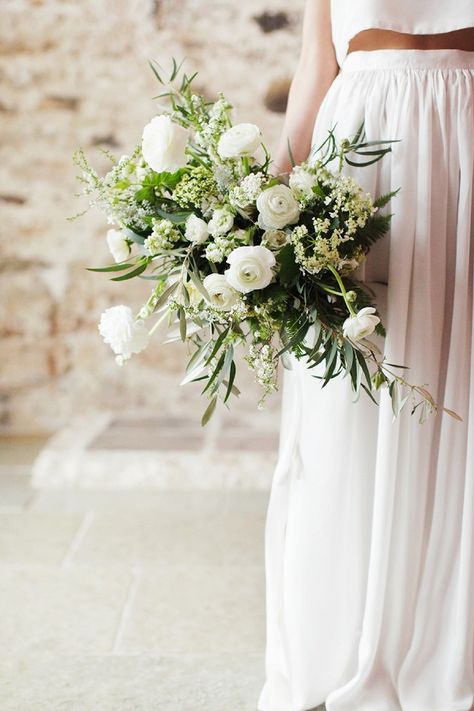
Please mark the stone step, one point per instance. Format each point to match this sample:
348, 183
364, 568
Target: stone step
130, 450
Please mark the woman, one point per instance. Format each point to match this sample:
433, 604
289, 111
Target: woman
370, 524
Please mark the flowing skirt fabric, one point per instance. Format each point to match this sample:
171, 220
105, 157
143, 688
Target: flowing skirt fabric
369, 539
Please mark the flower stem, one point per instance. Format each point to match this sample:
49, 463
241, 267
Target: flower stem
160, 320
342, 288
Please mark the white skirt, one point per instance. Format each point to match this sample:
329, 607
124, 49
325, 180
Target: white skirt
369, 538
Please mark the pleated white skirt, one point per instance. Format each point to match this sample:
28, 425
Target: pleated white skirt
369, 537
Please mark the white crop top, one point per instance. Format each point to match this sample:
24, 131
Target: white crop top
418, 17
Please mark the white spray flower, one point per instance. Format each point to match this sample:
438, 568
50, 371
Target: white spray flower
124, 334
361, 325
222, 221
221, 294
164, 143
277, 207
250, 268
301, 182
240, 140
197, 230
118, 245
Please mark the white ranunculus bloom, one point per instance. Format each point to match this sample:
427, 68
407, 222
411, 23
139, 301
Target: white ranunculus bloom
361, 325
124, 334
221, 294
163, 144
222, 221
240, 140
118, 245
275, 239
302, 182
197, 230
277, 207
250, 268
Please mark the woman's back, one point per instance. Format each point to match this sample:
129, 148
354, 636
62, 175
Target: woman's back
408, 17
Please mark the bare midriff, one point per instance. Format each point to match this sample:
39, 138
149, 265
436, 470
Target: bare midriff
388, 39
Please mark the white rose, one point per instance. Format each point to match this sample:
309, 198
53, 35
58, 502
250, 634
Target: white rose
277, 207
221, 295
163, 144
302, 183
361, 325
275, 239
197, 230
222, 221
118, 245
240, 140
124, 333
250, 268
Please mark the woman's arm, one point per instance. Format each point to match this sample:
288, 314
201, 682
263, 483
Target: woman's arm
317, 67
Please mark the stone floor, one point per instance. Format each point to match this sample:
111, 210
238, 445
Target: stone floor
128, 600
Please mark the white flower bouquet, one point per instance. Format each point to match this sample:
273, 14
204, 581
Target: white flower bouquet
239, 257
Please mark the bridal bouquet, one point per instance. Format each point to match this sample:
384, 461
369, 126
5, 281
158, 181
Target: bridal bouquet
239, 257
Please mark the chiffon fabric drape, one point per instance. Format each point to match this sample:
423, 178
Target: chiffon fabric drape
369, 538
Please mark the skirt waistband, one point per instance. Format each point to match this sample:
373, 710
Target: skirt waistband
408, 59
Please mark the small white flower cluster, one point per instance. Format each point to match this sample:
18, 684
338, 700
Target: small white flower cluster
223, 245
263, 362
316, 252
224, 177
163, 236
246, 193
349, 203
212, 129
115, 193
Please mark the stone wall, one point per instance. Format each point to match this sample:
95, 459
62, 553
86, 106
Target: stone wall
74, 73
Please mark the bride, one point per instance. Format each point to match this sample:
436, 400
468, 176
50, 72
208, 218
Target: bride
370, 523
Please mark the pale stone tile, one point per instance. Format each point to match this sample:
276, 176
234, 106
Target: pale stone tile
177, 537
37, 538
217, 682
15, 490
105, 500
57, 611
135, 500
207, 609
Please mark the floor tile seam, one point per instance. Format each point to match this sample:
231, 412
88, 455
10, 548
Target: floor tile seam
79, 566
127, 608
52, 657
78, 537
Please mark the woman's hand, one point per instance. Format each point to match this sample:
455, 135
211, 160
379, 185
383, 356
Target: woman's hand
316, 70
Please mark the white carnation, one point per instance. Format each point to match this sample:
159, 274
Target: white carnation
164, 143
222, 221
302, 182
197, 230
125, 334
361, 325
250, 268
240, 140
118, 245
277, 207
221, 294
